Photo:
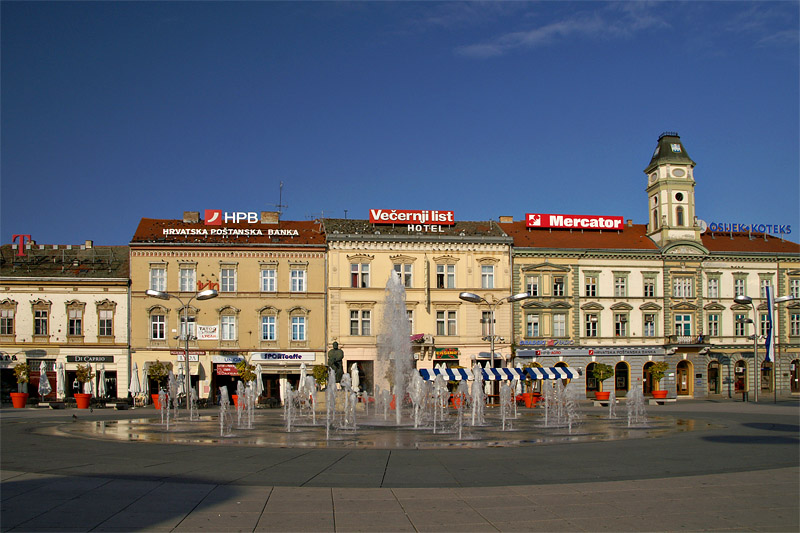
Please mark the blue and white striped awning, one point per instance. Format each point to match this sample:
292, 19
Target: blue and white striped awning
450, 374
502, 374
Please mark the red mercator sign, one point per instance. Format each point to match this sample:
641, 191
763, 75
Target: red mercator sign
545, 220
403, 216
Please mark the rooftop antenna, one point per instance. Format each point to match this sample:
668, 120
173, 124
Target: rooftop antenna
313, 216
345, 214
280, 204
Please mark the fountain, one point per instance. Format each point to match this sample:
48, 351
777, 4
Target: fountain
394, 343
225, 417
612, 404
637, 415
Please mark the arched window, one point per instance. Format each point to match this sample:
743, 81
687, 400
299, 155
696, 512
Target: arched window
679, 216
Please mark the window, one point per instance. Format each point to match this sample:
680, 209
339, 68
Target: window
649, 287
682, 288
105, 323
558, 286
713, 325
487, 276
190, 331
620, 325
298, 328
763, 321
713, 288
739, 320
532, 285
360, 322
228, 327
764, 283
359, 275
269, 278
738, 287
158, 278
445, 276
486, 323
591, 325
40, 322
404, 271
794, 324
268, 328
186, 279
683, 324
158, 327
649, 325
410, 315
532, 325
298, 280
75, 323
227, 280
620, 286
679, 216
591, 286
559, 325
446, 322
6, 321
794, 287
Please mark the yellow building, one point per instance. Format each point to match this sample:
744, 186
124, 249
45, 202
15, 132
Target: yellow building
436, 257
269, 275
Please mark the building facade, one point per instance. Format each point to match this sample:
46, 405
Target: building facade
624, 294
269, 275
435, 262
65, 305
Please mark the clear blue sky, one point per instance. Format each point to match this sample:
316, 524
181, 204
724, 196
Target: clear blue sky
116, 111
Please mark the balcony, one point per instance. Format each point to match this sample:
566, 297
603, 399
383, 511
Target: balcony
699, 341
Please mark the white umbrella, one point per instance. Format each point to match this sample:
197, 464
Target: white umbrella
303, 372
61, 381
88, 387
44, 383
259, 382
101, 384
354, 379
134, 388
181, 379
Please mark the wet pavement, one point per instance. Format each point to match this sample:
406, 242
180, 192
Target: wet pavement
702, 465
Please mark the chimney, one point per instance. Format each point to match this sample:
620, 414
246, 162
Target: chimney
191, 216
270, 217
505, 219
89, 245
630, 223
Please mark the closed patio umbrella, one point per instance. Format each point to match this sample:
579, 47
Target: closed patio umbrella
61, 381
88, 387
135, 388
259, 382
44, 383
101, 384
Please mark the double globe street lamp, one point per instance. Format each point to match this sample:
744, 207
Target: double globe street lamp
493, 304
202, 295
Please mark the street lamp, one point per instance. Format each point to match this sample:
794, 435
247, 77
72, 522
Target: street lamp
474, 298
746, 300
202, 295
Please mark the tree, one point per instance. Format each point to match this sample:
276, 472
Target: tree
602, 372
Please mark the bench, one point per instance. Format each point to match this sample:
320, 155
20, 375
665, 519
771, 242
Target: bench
661, 401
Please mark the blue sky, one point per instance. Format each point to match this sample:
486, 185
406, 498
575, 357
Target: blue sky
116, 111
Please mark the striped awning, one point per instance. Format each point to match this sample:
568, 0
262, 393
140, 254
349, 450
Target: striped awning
450, 374
555, 372
502, 374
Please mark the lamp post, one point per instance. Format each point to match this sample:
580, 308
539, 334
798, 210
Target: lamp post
746, 300
202, 295
494, 304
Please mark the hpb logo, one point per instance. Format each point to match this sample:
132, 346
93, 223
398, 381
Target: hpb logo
213, 217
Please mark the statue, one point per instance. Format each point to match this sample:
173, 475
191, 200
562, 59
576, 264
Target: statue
335, 357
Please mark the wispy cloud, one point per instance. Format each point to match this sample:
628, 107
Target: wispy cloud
609, 21
768, 24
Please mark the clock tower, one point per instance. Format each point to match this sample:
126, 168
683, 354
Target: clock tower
670, 193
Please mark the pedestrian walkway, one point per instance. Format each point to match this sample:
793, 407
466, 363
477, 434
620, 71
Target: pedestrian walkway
742, 474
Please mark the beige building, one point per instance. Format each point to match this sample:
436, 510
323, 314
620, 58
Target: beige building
65, 305
435, 262
270, 308
624, 294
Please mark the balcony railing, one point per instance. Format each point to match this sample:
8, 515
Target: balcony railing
687, 339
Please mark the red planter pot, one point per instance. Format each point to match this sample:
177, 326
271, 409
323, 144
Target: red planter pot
19, 399
601, 395
82, 400
235, 399
156, 403
455, 401
659, 394
527, 398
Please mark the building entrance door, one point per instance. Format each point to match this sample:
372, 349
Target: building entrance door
684, 375
714, 377
794, 376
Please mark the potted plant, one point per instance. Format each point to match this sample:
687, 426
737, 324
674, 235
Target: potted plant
158, 372
84, 375
602, 372
23, 374
657, 372
246, 374
529, 397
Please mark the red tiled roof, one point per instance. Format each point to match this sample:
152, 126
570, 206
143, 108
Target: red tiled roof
161, 231
743, 242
